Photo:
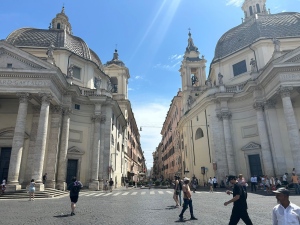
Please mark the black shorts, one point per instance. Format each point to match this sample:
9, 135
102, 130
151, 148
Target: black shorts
74, 199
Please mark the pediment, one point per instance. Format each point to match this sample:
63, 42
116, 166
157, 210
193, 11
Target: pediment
290, 57
75, 150
251, 146
20, 59
8, 133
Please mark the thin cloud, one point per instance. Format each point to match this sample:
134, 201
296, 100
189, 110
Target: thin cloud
176, 57
236, 3
130, 89
138, 77
175, 60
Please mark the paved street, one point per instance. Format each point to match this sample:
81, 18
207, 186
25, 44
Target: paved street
130, 207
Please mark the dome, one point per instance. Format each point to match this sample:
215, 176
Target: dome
264, 26
41, 38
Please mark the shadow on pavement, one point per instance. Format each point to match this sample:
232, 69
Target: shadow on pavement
172, 207
63, 215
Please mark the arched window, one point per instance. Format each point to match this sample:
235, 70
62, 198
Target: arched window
199, 133
58, 26
250, 10
257, 8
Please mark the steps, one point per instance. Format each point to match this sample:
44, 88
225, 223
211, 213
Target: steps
23, 194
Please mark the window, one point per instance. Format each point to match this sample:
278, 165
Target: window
250, 10
257, 8
77, 106
58, 26
76, 72
199, 134
239, 68
9, 65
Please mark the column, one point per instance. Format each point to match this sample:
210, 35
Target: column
18, 144
41, 139
94, 185
101, 168
292, 126
33, 134
226, 115
275, 138
52, 152
264, 140
63, 151
107, 111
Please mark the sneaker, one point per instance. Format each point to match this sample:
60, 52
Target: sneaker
181, 219
193, 218
72, 214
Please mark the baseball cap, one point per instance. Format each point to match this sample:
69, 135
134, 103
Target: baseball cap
186, 178
282, 190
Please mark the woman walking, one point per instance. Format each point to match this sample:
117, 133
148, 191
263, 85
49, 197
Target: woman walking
210, 184
31, 190
3, 186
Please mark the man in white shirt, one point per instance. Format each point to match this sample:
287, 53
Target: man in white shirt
253, 180
284, 179
285, 212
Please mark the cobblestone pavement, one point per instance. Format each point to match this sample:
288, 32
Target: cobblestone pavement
133, 207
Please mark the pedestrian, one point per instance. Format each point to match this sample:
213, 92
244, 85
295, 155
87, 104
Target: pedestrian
272, 183
263, 182
210, 184
278, 183
215, 182
44, 178
295, 181
74, 189
253, 180
194, 183
180, 189
111, 184
242, 181
294, 171
268, 184
3, 186
176, 191
187, 200
285, 212
284, 179
31, 190
239, 210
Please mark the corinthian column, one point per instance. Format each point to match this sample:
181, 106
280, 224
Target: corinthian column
94, 185
101, 169
40, 144
18, 144
63, 151
226, 115
51, 164
264, 140
291, 123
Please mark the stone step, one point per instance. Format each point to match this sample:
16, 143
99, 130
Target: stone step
23, 193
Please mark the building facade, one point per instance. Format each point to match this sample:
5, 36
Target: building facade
62, 112
244, 116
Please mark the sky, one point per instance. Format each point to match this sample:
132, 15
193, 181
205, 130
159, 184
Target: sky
151, 37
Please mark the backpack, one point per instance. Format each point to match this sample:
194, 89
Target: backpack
76, 187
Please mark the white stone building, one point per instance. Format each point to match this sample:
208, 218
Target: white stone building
62, 112
244, 117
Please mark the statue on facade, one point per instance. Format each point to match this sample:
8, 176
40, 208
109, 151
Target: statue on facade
190, 100
220, 77
50, 50
97, 82
208, 82
109, 86
276, 43
253, 65
70, 71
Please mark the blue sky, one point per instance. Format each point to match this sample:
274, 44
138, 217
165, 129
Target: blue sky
151, 37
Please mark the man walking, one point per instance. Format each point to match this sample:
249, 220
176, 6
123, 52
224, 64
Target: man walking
295, 181
45, 178
253, 180
111, 184
74, 189
187, 200
239, 210
285, 212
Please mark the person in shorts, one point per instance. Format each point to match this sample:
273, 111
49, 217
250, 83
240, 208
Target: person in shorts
31, 190
74, 188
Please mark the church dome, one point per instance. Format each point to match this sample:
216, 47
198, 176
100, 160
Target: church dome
41, 38
262, 26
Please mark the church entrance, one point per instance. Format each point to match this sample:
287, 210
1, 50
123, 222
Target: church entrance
4, 162
255, 165
71, 170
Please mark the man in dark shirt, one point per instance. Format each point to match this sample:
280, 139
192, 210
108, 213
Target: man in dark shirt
239, 210
111, 184
74, 189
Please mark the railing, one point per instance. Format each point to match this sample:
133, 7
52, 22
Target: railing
236, 88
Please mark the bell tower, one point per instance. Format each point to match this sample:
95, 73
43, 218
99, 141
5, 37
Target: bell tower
192, 72
252, 7
119, 75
